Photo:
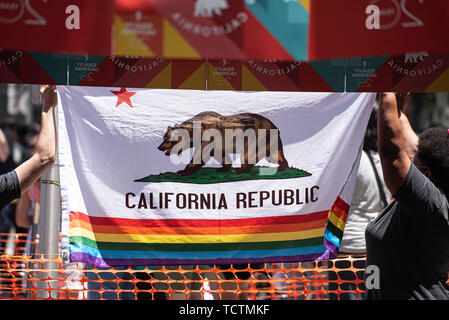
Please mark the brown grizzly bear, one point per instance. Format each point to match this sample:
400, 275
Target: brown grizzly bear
218, 136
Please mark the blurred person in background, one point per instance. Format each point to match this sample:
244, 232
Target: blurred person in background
27, 214
27, 207
12, 154
18, 180
370, 195
12, 151
28, 136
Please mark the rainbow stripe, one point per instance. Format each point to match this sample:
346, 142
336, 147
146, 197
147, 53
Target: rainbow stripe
103, 241
335, 226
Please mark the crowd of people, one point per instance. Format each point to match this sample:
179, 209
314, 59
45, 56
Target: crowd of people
398, 216
17, 143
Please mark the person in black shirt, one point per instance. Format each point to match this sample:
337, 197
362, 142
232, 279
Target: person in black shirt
13, 183
12, 154
408, 243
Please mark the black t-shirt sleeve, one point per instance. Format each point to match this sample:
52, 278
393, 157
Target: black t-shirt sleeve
420, 197
9, 188
425, 208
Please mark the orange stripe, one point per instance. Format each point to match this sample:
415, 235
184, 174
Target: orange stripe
277, 228
339, 213
205, 223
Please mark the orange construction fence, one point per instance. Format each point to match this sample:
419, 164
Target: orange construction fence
25, 277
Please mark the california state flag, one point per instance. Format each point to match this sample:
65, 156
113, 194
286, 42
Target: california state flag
163, 177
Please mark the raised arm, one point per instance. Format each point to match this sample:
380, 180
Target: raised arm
393, 153
45, 154
411, 139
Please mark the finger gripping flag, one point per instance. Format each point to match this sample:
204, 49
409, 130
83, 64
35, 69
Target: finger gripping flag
172, 177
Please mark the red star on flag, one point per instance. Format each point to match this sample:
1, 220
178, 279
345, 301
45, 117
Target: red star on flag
124, 96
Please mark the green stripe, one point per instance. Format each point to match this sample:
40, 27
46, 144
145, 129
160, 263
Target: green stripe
125, 246
334, 229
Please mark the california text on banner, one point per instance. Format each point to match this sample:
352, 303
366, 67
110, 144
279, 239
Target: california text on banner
169, 177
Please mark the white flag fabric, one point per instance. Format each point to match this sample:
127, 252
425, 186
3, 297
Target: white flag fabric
164, 177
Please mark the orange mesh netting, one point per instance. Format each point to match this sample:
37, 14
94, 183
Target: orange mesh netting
38, 277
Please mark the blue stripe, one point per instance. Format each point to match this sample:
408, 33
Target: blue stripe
204, 255
332, 238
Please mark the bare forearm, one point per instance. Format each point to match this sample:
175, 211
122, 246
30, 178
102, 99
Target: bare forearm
45, 153
410, 138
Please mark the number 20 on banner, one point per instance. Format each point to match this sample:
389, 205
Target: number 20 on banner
14, 11
391, 11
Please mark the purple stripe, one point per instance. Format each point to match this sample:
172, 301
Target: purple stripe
98, 262
332, 249
87, 258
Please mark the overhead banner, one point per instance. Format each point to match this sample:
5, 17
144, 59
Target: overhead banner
363, 28
404, 73
169, 177
237, 30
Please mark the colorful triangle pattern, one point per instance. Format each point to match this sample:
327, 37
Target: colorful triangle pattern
350, 75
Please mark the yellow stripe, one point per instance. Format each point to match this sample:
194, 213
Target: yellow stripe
336, 221
228, 238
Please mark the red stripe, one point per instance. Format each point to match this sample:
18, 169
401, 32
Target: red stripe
206, 223
340, 209
341, 204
